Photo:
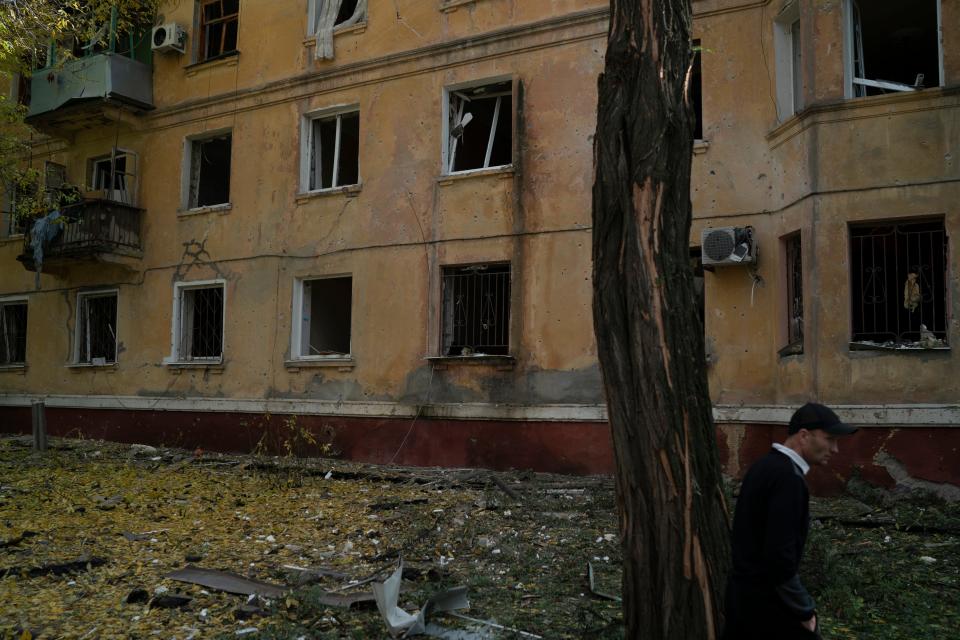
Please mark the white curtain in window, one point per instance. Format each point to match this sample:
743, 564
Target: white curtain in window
326, 15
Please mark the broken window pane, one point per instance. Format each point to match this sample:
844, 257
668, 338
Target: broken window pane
97, 328
201, 323
898, 281
13, 333
480, 131
210, 172
335, 151
326, 314
218, 28
476, 310
347, 9
120, 185
794, 263
895, 46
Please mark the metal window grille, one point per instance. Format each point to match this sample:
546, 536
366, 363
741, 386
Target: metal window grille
218, 27
476, 310
794, 290
97, 328
201, 323
13, 333
899, 281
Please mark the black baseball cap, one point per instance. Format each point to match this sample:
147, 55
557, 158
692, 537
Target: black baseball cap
816, 416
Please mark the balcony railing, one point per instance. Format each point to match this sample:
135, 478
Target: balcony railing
91, 229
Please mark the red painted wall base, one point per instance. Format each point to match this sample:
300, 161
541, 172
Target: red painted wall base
876, 455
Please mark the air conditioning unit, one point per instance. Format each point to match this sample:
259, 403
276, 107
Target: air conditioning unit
168, 37
728, 246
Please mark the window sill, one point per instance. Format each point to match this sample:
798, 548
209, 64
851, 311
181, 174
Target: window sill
13, 368
213, 366
896, 348
350, 191
345, 363
501, 363
449, 6
77, 367
793, 349
505, 171
358, 28
213, 208
700, 146
226, 60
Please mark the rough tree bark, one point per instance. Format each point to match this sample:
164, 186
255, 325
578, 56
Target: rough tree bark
673, 520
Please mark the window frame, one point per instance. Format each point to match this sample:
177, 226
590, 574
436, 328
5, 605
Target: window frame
314, 5
16, 301
186, 170
75, 358
201, 31
445, 152
793, 344
306, 146
849, 91
509, 299
179, 288
296, 329
790, 98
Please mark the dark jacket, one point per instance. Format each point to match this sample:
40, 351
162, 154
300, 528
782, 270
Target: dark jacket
770, 528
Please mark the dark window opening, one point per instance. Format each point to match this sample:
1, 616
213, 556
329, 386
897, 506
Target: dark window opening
347, 9
480, 127
210, 172
476, 310
696, 91
97, 329
895, 46
15, 194
13, 333
335, 151
218, 28
899, 282
201, 323
794, 271
699, 290
326, 317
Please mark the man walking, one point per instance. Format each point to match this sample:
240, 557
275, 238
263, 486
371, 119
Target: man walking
765, 598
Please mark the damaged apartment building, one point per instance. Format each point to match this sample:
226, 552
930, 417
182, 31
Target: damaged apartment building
372, 220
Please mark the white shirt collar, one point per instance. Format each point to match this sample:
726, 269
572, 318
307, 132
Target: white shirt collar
793, 455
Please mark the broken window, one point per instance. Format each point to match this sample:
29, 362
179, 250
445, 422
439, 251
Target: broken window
199, 322
696, 91
898, 274
476, 310
480, 127
794, 273
114, 176
699, 291
218, 28
325, 312
13, 332
789, 55
333, 149
209, 171
21, 193
326, 15
893, 46
96, 328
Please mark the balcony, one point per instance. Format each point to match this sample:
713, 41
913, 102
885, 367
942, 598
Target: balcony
92, 90
95, 230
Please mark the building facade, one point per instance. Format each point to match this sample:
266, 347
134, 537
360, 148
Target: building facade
371, 221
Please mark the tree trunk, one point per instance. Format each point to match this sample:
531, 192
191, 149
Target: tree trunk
673, 520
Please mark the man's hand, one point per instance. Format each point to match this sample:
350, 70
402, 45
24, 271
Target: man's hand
811, 624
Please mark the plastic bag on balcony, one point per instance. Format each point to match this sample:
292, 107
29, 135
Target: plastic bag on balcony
44, 230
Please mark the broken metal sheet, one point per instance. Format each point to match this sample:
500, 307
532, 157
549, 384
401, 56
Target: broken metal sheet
347, 601
169, 601
227, 581
399, 622
83, 563
590, 585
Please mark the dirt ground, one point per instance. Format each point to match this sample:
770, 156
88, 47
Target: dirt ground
90, 531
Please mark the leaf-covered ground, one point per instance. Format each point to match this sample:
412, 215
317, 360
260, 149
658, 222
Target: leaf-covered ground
88, 526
